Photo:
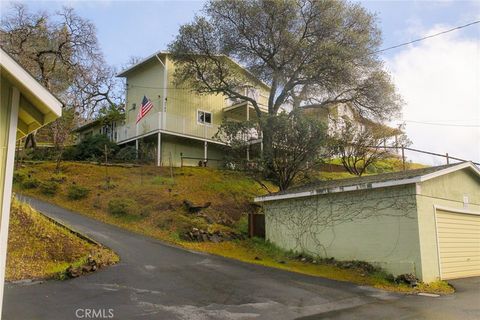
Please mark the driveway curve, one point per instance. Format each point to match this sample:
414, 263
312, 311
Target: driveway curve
156, 281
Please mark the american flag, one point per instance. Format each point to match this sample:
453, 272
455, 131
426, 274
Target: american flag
146, 106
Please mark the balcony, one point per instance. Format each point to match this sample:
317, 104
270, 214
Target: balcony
172, 123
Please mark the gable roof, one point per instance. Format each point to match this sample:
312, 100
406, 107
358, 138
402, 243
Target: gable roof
38, 106
369, 182
154, 56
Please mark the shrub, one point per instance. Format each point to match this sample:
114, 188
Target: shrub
41, 154
59, 177
19, 177
93, 148
49, 188
77, 192
127, 154
29, 183
122, 207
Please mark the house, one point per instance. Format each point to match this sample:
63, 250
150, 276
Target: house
97, 126
181, 123
424, 222
336, 116
25, 105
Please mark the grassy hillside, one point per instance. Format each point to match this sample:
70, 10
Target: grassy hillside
148, 200
38, 248
145, 199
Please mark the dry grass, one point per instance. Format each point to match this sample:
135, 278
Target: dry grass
38, 248
157, 199
160, 212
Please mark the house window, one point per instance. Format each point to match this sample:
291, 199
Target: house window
204, 117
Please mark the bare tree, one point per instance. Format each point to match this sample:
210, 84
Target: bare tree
62, 52
309, 53
361, 143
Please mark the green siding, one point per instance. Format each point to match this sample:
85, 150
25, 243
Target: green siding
183, 103
446, 191
378, 226
173, 146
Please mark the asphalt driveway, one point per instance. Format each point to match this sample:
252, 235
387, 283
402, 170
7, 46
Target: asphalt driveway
158, 281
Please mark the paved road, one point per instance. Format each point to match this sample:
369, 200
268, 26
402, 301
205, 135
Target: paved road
157, 281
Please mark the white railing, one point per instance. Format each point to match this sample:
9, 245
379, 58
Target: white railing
173, 123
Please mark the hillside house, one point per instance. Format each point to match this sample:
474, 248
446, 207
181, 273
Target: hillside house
181, 122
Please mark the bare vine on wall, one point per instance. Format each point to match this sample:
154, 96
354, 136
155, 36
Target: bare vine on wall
303, 221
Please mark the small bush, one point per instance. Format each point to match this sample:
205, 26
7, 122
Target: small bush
19, 177
41, 154
77, 192
59, 177
122, 207
93, 148
127, 154
30, 183
49, 188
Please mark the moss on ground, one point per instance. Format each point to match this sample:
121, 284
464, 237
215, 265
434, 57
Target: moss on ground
39, 248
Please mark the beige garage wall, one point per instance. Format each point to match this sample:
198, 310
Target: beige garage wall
446, 191
378, 226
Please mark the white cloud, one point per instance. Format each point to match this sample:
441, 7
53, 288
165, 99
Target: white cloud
439, 80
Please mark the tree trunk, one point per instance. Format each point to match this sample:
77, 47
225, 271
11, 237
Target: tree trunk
31, 140
267, 140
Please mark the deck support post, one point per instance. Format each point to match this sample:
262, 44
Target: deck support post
159, 149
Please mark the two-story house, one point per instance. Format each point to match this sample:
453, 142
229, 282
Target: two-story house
181, 123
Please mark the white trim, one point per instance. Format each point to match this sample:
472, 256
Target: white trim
374, 185
438, 243
7, 186
30, 84
122, 74
362, 186
449, 209
171, 133
163, 117
205, 123
456, 210
450, 170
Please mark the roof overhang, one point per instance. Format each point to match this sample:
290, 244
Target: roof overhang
156, 55
126, 71
373, 185
38, 106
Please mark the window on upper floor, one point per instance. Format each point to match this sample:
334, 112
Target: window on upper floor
204, 117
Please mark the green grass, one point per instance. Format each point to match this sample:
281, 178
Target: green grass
230, 194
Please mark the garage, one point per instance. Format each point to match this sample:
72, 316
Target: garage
458, 237
424, 222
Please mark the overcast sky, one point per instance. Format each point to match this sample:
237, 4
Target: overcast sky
439, 78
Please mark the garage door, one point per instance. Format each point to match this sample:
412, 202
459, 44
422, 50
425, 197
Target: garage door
459, 244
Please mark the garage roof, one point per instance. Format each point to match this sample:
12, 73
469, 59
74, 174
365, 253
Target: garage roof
368, 182
38, 106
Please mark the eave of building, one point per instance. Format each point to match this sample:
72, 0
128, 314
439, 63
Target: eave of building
366, 186
171, 133
243, 104
38, 106
125, 72
86, 126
